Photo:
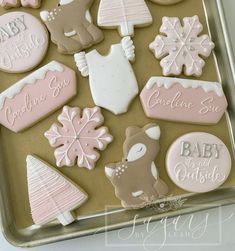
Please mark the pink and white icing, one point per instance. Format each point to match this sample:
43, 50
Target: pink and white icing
124, 14
51, 195
16, 3
184, 100
181, 46
198, 162
23, 42
36, 96
80, 135
31, 3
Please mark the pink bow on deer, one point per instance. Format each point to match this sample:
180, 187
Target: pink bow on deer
18, 3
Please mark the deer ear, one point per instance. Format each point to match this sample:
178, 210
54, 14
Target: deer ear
109, 171
153, 132
44, 15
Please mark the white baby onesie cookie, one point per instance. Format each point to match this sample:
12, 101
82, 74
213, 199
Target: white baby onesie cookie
112, 80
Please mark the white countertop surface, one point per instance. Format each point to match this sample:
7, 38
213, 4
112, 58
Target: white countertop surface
209, 230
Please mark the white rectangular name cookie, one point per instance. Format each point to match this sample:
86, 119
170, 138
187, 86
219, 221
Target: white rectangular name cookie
36, 96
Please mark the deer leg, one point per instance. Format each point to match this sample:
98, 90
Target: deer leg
65, 44
84, 36
95, 32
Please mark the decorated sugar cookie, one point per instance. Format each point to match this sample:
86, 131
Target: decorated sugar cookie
198, 162
70, 25
124, 14
9, 3
31, 3
181, 46
17, 3
136, 179
166, 2
51, 195
36, 96
79, 136
23, 42
183, 100
112, 79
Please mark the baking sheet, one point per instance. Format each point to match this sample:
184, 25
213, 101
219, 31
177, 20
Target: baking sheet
15, 147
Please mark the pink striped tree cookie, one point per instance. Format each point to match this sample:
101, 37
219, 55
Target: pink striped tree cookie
51, 195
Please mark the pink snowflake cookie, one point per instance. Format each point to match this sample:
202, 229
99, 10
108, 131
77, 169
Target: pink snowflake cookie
17, 3
181, 48
78, 137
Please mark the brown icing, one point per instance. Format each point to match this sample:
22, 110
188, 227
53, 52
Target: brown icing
135, 178
69, 20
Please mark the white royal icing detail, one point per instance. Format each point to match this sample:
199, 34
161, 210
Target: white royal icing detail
129, 48
31, 79
136, 152
186, 83
44, 15
109, 171
154, 132
64, 2
154, 170
137, 194
80, 59
70, 34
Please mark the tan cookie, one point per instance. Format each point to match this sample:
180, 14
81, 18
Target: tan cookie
136, 178
71, 27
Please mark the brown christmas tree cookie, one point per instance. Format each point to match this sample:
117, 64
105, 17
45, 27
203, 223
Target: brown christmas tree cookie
136, 178
71, 27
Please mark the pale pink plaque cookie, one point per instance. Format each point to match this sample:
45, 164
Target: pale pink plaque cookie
23, 42
79, 136
36, 96
124, 14
198, 162
181, 46
51, 195
183, 100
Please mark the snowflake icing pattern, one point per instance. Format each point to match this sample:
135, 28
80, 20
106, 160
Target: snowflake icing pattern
78, 137
182, 46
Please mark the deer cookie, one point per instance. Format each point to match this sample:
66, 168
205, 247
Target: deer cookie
135, 178
71, 27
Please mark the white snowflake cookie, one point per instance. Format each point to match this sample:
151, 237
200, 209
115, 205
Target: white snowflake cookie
181, 48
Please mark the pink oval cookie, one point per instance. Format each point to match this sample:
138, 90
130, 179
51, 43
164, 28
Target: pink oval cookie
23, 42
198, 162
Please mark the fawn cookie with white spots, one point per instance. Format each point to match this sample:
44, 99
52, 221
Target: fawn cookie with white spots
71, 27
136, 178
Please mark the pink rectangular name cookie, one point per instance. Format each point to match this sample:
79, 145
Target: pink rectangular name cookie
183, 100
36, 96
